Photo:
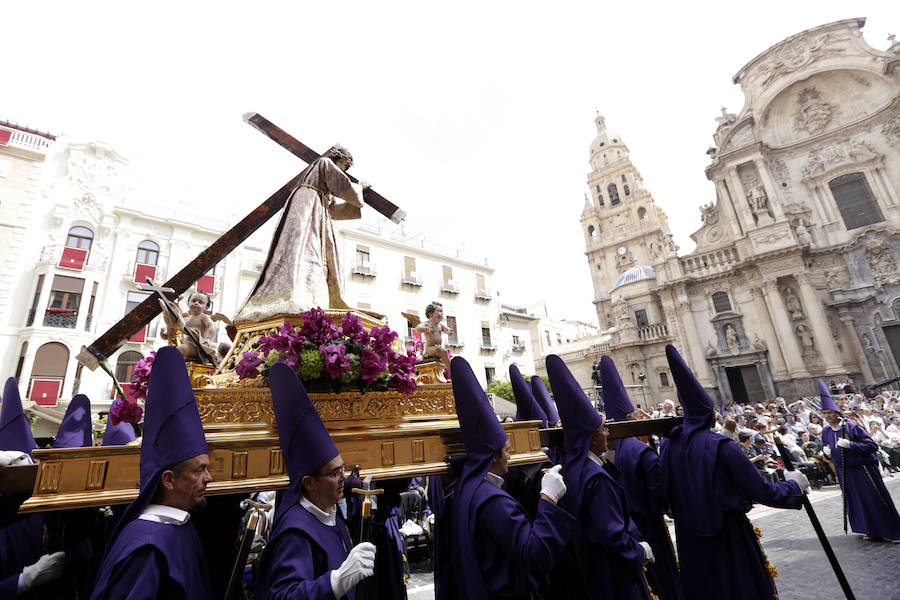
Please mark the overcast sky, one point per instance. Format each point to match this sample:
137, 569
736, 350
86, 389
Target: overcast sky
475, 117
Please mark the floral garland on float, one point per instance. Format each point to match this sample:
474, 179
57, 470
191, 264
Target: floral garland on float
332, 358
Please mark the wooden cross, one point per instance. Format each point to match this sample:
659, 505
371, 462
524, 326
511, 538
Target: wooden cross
152, 287
101, 348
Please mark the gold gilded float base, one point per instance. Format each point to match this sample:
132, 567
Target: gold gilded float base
250, 459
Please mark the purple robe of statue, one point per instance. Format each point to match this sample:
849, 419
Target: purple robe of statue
151, 560
870, 509
642, 482
300, 556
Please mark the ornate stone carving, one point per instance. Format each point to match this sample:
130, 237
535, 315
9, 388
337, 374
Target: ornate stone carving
805, 335
727, 119
804, 238
709, 213
834, 154
891, 130
731, 339
758, 344
88, 208
836, 278
740, 138
714, 234
799, 53
814, 114
882, 263
779, 171
792, 303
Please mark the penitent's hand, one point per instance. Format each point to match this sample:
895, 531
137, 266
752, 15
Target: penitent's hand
552, 485
358, 565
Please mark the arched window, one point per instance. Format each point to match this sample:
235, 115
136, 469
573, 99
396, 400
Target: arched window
80, 237
48, 373
125, 365
592, 232
855, 201
148, 253
613, 192
721, 303
627, 190
642, 214
623, 178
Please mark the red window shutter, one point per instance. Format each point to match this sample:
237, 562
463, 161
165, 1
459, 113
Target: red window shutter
126, 387
73, 258
142, 272
45, 392
4, 137
140, 337
207, 284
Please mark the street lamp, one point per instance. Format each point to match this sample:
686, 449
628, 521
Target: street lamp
641, 378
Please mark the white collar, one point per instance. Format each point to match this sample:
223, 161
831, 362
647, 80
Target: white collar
325, 518
160, 513
839, 425
493, 479
595, 458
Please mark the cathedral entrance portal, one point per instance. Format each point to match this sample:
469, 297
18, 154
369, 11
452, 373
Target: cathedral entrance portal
892, 333
745, 384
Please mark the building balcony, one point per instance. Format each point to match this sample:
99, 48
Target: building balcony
364, 271
60, 317
449, 287
412, 278
15, 138
487, 346
652, 333
74, 259
482, 294
455, 344
710, 263
519, 348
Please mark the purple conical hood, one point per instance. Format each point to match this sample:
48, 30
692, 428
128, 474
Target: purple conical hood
825, 398
172, 432
305, 443
117, 435
579, 417
698, 405
615, 398
527, 408
75, 429
542, 396
481, 431
15, 430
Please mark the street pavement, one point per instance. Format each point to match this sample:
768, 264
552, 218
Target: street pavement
804, 573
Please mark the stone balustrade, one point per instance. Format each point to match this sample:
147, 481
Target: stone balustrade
710, 263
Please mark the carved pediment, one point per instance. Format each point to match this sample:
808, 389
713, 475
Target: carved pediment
836, 155
742, 135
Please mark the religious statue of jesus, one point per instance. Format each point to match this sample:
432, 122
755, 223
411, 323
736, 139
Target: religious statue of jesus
433, 330
303, 268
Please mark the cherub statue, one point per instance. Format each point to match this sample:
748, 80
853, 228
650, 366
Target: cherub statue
196, 319
433, 330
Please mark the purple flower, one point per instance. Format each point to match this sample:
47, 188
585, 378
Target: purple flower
122, 411
381, 340
336, 360
318, 327
404, 385
353, 329
140, 377
247, 367
371, 365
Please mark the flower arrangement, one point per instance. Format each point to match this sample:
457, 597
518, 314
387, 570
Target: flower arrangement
123, 411
140, 378
330, 358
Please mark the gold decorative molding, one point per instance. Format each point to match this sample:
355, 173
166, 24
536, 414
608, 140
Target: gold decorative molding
96, 474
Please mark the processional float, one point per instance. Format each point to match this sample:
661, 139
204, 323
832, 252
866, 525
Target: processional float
386, 434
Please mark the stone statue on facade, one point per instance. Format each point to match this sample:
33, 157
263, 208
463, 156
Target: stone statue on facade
803, 236
758, 344
792, 303
433, 330
731, 338
303, 268
806, 337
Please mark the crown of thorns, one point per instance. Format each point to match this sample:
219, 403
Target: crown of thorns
337, 152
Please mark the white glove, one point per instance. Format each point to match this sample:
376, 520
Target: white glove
359, 564
8, 457
827, 451
799, 477
648, 552
47, 568
552, 485
843, 443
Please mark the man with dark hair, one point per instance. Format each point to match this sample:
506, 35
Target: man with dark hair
155, 551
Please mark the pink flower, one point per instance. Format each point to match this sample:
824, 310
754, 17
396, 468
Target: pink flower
353, 329
371, 365
381, 340
247, 367
140, 377
318, 328
336, 360
121, 411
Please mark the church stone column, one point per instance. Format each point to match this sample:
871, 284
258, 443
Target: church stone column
819, 325
693, 346
767, 330
784, 330
728, 203
724, 387
858, 351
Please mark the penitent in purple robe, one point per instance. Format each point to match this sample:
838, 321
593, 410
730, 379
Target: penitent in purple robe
711, 485
494, 548
870, 508
612, 560
300, 556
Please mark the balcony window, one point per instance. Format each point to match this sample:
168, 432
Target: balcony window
663, 379
363, 265
453, 336
410, 275
135, 298
489, 375
125, 368
486, 338
148, 253
48, 373
640, 318
78, 246
65, 300
449, 285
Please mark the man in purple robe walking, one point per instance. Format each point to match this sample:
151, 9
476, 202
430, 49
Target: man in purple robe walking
494, 549
711, 485
870, 508
641, 480
23, 564
610, 546
309, 555
155, 552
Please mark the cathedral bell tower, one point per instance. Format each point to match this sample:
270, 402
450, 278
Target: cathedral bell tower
623, 228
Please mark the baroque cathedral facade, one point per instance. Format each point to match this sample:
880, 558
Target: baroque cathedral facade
794, 275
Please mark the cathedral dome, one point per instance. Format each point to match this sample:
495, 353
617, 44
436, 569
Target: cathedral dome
634, 274
605, 139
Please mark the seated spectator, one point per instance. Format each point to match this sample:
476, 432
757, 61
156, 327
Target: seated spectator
729, 429
742, 423
894, 426
888, 444
657, 412
802, 412
793, 425
761, 458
